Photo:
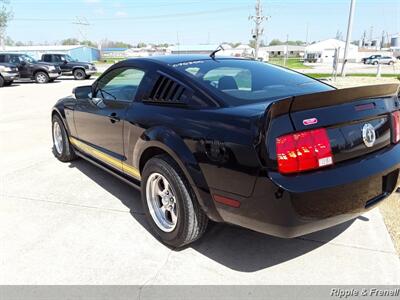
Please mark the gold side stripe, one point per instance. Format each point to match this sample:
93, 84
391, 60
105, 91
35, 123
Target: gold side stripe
106, 158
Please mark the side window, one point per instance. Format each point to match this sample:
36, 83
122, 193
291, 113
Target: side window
47, 58
14, 59
120, 84
2, 58
229, 79
58, 58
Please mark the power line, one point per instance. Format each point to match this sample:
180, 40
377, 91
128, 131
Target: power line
175, 15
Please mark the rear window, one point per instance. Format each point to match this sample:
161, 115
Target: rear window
242, 81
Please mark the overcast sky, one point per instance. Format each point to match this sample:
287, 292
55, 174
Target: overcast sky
196, 21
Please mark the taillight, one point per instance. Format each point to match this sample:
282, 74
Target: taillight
396, 127
303, 151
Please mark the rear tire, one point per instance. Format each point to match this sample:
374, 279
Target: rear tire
41, 77
375, 63
62, 148
1, 81
79, 74
8, 83
182, 221
391, 63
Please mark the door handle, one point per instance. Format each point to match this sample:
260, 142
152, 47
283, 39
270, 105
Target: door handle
114, 118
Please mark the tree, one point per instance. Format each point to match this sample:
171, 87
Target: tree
70, 41
141, 45
89, 43
5, 16
275, 42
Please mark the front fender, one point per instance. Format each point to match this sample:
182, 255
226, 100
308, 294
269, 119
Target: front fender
167, 140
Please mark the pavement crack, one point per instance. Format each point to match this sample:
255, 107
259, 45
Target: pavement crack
344, 245
156, 274
73, 204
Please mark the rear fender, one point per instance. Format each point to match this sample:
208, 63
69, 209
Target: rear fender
170, 142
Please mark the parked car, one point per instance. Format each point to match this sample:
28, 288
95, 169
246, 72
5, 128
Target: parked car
364, 60
69, 66
29, 68
8, 73
236, 141
387, 60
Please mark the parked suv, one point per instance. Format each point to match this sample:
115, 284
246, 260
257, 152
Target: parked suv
70, 66
8, 73
365, 59
383, 60
29, 68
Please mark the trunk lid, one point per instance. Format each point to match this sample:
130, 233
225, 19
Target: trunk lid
358, 120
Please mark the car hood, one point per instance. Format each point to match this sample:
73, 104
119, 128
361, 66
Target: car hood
7, 65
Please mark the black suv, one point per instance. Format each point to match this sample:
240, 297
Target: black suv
29, 68
70, 66
8, 73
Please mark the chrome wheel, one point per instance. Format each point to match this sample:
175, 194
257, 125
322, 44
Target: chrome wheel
161, 202
58, 138
41, 78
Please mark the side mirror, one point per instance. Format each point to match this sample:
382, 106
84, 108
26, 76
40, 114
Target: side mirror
82, 92
65, 62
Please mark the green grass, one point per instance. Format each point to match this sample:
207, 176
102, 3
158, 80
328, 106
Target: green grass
291, 63
325, 75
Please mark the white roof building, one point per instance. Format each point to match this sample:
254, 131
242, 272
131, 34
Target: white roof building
324, 51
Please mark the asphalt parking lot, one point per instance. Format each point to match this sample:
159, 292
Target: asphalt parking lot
71, 223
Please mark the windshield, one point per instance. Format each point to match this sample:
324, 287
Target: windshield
27, 58
242, 81
68, 58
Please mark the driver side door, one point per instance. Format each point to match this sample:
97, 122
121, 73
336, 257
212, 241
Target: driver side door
99, 119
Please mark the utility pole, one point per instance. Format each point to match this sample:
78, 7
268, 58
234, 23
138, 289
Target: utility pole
258, 30
83, 24
348, 36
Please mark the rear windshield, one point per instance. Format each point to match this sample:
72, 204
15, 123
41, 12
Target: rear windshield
243, 81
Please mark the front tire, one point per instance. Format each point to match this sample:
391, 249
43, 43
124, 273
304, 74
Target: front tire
8, 83
170, 205
1, 81
42, 77
62, 148
79, 74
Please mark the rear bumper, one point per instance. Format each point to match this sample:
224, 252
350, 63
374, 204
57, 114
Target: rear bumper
90, 72
54, 75
10, 76
290, 206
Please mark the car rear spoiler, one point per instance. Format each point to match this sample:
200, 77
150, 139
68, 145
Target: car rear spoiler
341, 96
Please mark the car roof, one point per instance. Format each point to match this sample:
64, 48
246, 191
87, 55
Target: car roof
180, 58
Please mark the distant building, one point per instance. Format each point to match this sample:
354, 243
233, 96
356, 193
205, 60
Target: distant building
79, 52
191, 49
241, 50
114, 52
324, 51
282, 50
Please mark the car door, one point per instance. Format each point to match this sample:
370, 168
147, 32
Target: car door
99, 119
23, 67
60, 61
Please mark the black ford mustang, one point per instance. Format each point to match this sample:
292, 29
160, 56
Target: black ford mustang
234, 141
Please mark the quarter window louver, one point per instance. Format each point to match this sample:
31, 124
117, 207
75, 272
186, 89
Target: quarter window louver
167, 90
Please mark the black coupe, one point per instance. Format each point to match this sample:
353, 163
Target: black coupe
234, 140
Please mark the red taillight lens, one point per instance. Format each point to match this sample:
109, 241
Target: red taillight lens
396, 127
303, 151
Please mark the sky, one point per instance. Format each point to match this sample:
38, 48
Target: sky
196, 21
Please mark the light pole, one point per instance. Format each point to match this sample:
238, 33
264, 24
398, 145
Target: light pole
348, 36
